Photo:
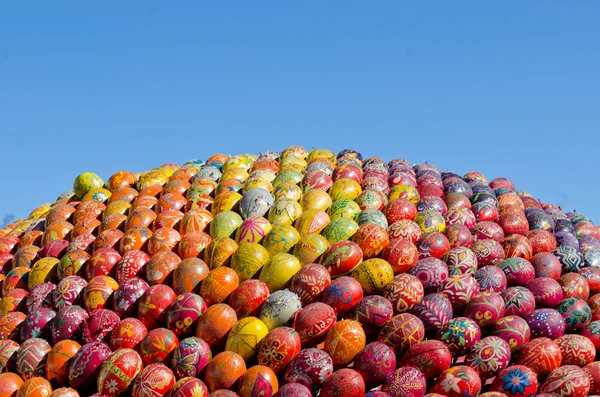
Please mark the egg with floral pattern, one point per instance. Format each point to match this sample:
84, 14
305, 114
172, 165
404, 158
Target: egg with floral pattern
118, 372
516, 381
190, 357
86, 364
157, 346
458, 381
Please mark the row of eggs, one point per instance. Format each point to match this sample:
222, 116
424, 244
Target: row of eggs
366, 283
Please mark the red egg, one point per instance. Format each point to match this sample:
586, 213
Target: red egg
375, 363
402, 332
132, 265
69, 291
342, 257
517, 381
433, 244
155, 380
542, 355
313, 322
118, 372
592, 275
371, 239
488, 230
404, 292
567, 381
86, 364
102, 263
514, 223
69, 324
183, 313
128, 334
574, 286
342, 294
593, 372
432, 357
547, 291
345, 382
488, 252
152, 305
460, 334
576, 350
460, 289
514, 330
519, 301
310, 368
517, 246
157, 346
435, 311
190, 357
546, 265
8, 355
278, 348
405, 381
99, 325
401, 255
491, 278
486, 308
99, 292
405, 229
400, 209
248, 297
541, 241
489, 356
187, 387
458, 381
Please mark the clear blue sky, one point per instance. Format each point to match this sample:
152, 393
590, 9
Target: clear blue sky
509, 89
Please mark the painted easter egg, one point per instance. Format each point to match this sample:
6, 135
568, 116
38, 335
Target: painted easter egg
31, 358
517, 381
460, 289
346, 382
245, 336
153, 304
576, 350
190, 357
118, 372
157, 346
486, 308
491, 278
155, 380
546, 323
514, 330
404, 292
435, 311
69, 323
460, 334
309, 368
183, 313
542, 355
86, 364
375, 363
99, 325
405, 381
342, 294
489, 356
128, 334
342, 257
224, 370
576, 313
458, 381
401, 332
568, 380
519, 301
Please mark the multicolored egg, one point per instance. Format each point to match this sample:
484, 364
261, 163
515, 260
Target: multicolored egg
342, 294
576, 350
401, 332
519, 301
118, 372
190, 357
458, 381
542, 355
128, 334
346, 382
183, 313
516, 381
245, 336
491, 278
460, 334
489, 356
576, 313
310, 368
157, 346
342, 257
460, 289
435, 311
31, 358
404, 292
69, 323
514, 330
486, 308
568, 380
155, 380
86, 364
546, 323
375, 363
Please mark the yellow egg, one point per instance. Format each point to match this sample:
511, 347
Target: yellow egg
252, 183
287, 190
40, 211
101, 195
152, 178
239, 174
278, 272
405, 191
240, 162
252, 230
225, 224
312, 221
284, 212
373, 275
344, 208
226, 201
294, 151
85, 182
281, 239
315, 199
248, 260
245, 336
310, 248
45, 269
345, 188
290, 176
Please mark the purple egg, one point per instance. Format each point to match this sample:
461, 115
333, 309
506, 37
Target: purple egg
519, 301
375, 363
371, 312
310, 368
127, 296
69, 323
567, 239
491, 278
42, 295
293, 390
435, 311
86, 363
547, 292
99, 325
546, 323
431, 272
405, 381
38, 323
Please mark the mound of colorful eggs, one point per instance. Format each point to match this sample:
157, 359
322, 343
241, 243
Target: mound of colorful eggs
295, 274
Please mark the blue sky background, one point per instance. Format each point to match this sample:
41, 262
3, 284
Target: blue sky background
509, 89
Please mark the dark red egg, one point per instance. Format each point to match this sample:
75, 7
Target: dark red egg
99, 325
342, 294
546, 265
310, 368
514, 330
460, 334
460, 289
401, 254
128, 334
131, 265
343, 382
371, 312
459, 236
519, 301
313, 322
486, 308
249, 296
568, 380
309, 282
128, 295
402, 332
488, 252
435, 311
278, 348
488, 230
432, 357
184, 312
404, 292
152, 305
375, 363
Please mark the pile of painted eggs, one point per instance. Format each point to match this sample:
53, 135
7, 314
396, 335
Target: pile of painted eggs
296, 274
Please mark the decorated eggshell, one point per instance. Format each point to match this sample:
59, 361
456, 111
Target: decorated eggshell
519, 301
132, 264
279, 308
42, 295
102, 263
373, 275
224, 370
344, 341
252, 230
401, 254
38, 323
279, 271
592, 332
545, 323
405, 381
346, 382
488, 252
401, 209
375, 363
69, 291
99, 292
576, 350
31, 358
14, 300
248, 260
157, 346
460, 334
461, 260
8, 355
593, 372
99, 325
258, 380
401, 332
542, 355
567, 381
289, 390
310, 368
69, 323
189, 274
459, 236
278, 348
248, 297
405, 229
547, 291
313, 322
514, 330
245, 336
342, 294
517, 381
576, 313
128, 334
489, 356
183, 313
342, 257
435, 311
592, 275
432, 357
190, 357
10, 325
225, 224
404, 292
72, 264
86, 364
155, 380
219, 252
574, 286
256, 203
458, 381
570, 258
486, 308
430, 221
187, 387
215, 324
372, 312
9, 384
153, 304
159, 269
460, 289
310, 248
127, 296
217, 286
35, 387
491, 278
118, 372
281, 239
372, 239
